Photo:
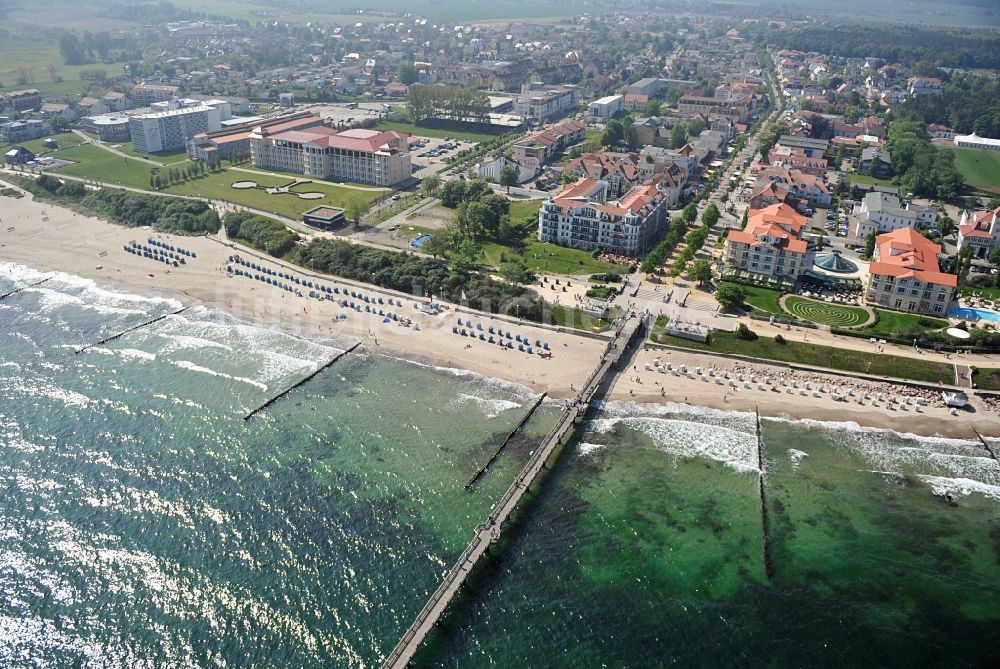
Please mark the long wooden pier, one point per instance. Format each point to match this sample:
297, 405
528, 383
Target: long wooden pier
30, 285
488, 532
131, 329
482, 470
301, 381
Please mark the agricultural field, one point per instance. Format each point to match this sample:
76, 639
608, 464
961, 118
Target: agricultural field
22, 53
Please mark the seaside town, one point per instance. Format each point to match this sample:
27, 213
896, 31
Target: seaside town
740, 208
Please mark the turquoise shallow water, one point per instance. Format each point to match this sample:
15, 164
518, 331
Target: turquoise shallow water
143, 523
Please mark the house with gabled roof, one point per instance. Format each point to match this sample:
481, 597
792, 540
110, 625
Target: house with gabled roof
904, 274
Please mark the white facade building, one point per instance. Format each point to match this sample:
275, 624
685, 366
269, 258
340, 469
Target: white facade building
169, 129
882, 212
607, 107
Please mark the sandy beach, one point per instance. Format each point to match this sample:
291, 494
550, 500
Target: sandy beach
48, 237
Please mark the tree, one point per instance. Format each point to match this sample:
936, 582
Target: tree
700, 271
745, 333
430, 185
517, 273
652, 108
690, 213
508, 177
408, 73
678, 135
745, 219
71, 49
730, 296
356, 210
452, 193
710, 216
614, 133
870, 245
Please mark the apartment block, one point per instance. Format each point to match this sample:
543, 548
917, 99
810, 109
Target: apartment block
581, 217
367, 156
904, 274
540, 102
883, 212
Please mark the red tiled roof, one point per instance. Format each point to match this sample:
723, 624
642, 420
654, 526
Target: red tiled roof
906, 253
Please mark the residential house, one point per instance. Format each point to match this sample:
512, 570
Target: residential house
491, 167
540, 102
143, 95
924, 86
18, 155
883, 212
770, 248
904, 274
635, 102
814, 148
619, 170
580, 216
91, 107
116, 102
981, 231
880, 157
57, 109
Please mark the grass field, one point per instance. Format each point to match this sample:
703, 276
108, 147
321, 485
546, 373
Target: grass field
522, 209
94, 163
894, 322
986, 292
218, 186
165, 157
980, 168
543, 257
855, 178
987, 378
825, 313
765, 299
803, 353
65, 139
439, 133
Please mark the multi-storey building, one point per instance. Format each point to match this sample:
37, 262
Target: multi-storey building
13, 132
581, 217
619, 171
221, 144
607, 107
21, 100
143, 95
539, 102
109, 127
904, 274
980, 230
168, 130
883, 212
770, 247
367, 156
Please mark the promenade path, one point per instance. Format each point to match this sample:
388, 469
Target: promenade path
489, 532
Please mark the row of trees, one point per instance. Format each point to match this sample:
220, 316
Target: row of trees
693, 241
655, 258
454, 103
176, 175
165, 214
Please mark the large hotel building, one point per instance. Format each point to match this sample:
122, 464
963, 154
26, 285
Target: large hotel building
366, 156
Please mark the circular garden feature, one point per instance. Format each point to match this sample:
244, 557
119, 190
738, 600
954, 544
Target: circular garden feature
826, 313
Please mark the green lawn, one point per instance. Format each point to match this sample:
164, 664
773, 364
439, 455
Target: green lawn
522, 209
803, 353
980, 168
987, 378
65, 139
826, 313
550, 258
91, 162
765, 299
986, 292
439, 133
165, 157
218, 186
856, 178
894, 322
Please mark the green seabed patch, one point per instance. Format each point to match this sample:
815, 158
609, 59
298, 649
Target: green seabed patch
883, 542
675, 524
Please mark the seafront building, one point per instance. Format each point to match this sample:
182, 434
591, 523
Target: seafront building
904, 274
366, 156
581, 217
771, 248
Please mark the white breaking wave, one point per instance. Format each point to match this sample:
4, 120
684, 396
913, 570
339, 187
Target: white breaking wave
492, 407
586, 448
187, 364
691, 439
941, 485
126, 353
796, 457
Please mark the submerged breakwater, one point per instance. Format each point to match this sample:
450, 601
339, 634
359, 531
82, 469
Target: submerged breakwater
143, 522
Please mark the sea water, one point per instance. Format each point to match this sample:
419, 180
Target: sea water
144, 523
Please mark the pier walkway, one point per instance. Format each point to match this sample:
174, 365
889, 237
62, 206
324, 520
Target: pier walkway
488, 532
